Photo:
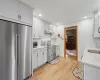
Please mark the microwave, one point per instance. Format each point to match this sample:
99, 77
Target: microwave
35, 44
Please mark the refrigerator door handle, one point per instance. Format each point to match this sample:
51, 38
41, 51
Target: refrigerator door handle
16, 48
18, 54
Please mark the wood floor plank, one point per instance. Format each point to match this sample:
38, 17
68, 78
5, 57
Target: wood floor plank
61, 71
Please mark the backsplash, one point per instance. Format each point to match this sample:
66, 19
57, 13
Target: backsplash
39, 40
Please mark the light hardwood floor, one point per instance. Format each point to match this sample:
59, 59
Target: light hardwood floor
61, 71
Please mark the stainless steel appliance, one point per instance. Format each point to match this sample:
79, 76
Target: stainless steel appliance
15, 51
35, 44
51, 50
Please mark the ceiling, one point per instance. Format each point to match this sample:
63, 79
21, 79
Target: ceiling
63, 11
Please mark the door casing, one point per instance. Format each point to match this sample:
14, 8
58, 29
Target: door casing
76, 27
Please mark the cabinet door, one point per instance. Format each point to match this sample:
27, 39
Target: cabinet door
89, 73
40, 57
9, 9
38, 25
45, 55
98, 74
34, 61
26, 13
41, 29
96, 24
8, 36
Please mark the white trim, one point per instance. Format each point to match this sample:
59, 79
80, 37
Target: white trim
13, 20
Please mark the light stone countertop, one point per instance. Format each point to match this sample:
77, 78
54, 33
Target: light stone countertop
92, 59
40, 47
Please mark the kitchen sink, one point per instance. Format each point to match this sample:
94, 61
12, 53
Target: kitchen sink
93, 51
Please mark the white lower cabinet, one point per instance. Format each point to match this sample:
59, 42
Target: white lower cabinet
98, 74
91, 73
39, 57
45, 55
34, 61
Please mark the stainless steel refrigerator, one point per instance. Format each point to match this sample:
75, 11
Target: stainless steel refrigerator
15, 51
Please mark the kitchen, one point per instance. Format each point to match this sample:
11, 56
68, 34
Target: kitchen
32, 39
16, 21
18, 31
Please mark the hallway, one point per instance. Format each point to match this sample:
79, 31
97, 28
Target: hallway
61, 71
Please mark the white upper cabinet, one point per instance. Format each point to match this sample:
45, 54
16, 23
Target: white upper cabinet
96, 24
48, 28
26, 13
16, 11
38, 28
9, 9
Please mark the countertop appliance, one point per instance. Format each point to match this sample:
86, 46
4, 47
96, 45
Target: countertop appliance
15, 51
35, 44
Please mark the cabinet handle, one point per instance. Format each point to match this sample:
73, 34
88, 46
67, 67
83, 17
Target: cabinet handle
19, 17
43, 53
37, 55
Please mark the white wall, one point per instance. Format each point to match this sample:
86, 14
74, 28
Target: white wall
60, 30
85, 31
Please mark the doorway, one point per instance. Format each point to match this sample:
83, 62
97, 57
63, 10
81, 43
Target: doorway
71, 42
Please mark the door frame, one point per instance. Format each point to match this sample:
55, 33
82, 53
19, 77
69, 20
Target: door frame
76, 40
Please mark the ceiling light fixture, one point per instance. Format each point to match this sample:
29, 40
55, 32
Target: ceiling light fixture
85, 17
40, 15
